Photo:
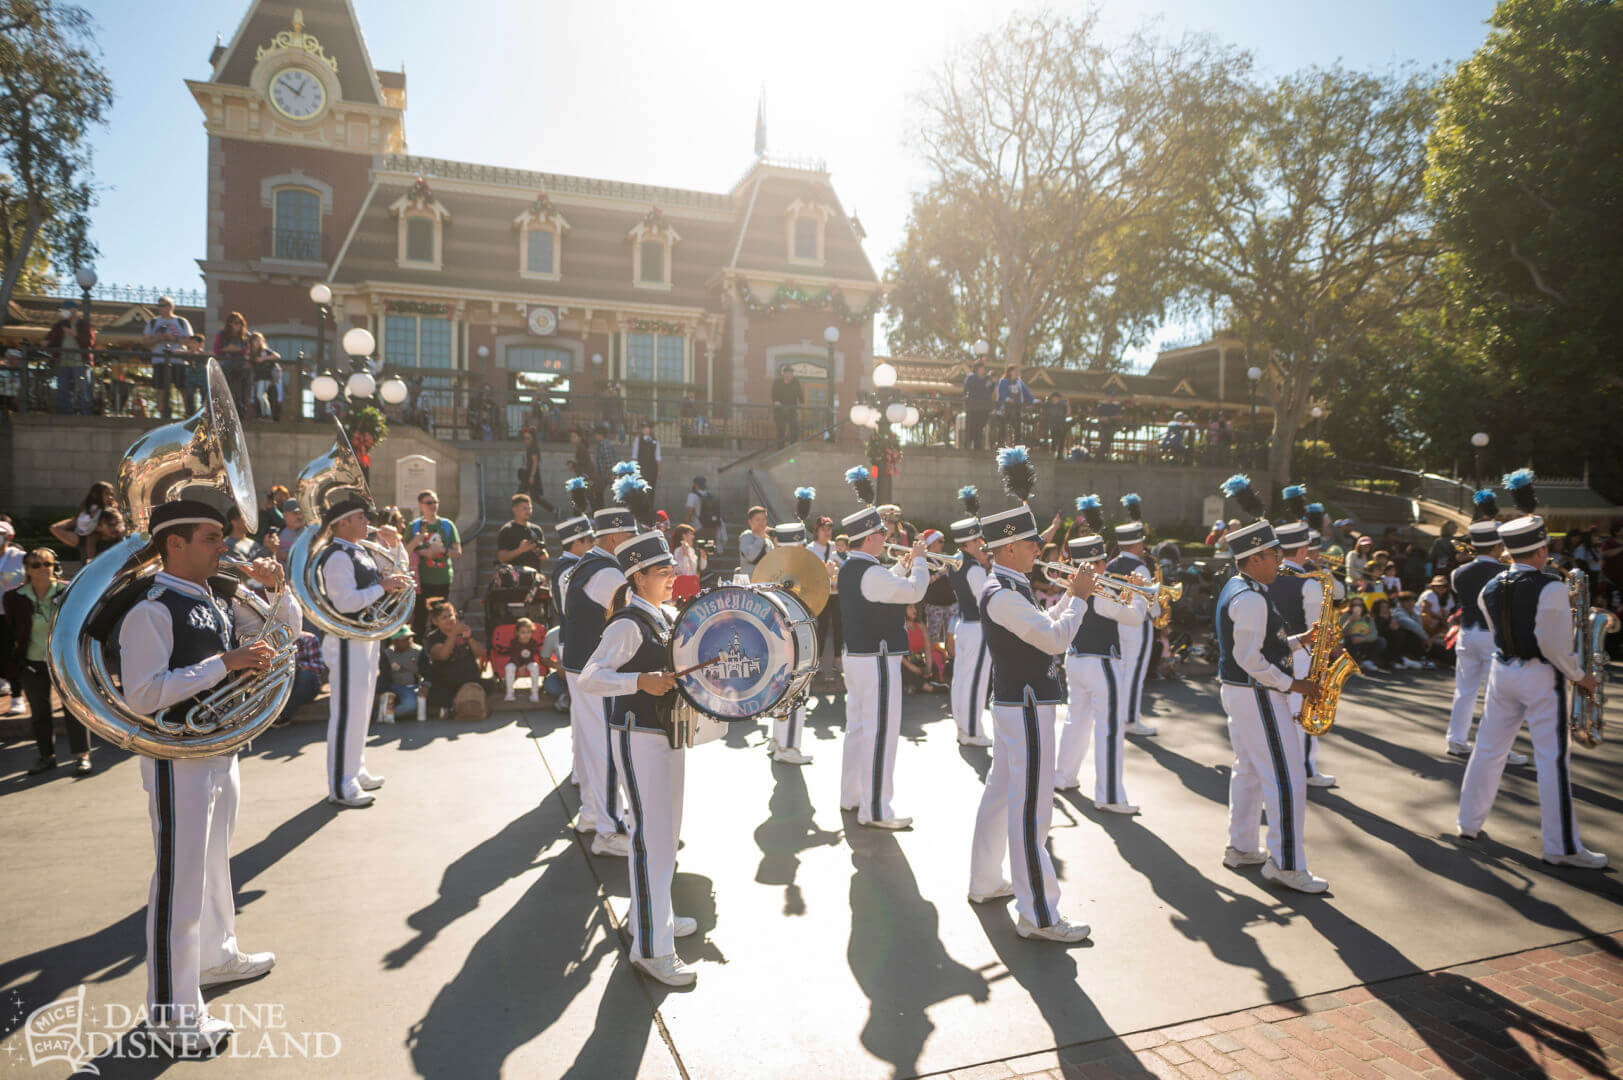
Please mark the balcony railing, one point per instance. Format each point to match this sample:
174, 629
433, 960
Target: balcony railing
297, 244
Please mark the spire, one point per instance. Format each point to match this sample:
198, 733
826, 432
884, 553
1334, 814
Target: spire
760, 125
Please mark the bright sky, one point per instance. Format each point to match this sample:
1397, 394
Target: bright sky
659, 93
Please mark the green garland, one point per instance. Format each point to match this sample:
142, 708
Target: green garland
417, 307
656, 326
881, 445
791, 294
420, 192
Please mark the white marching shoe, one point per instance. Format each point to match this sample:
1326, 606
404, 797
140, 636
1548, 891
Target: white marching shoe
772, 746
1320, 779
1584, 859
1116, 808
1513, 758
609, 843
974, 740
1063, 930
791, 756
685, 926
1300, 880
666, 969
369, 782
205, 1037
355, 802
1004, 890
888, 823
240, 967
1234, 858
1066, 784
1459, 749
1139, 727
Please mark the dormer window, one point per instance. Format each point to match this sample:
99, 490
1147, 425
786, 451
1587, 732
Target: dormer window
422, 218
805, 223
652, 241
541, 232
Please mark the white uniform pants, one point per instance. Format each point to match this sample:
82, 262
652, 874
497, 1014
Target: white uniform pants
1135, 662
1536, 692
599, 775
873, 719
1268, 772
1015, 811
1473, 656
191, 912
1301, 663
971, 678
652, 774
1094, 713
352, 676
788, 726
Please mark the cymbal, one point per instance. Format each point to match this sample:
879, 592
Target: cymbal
797, 570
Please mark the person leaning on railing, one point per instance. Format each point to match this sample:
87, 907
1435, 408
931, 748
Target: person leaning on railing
165, 334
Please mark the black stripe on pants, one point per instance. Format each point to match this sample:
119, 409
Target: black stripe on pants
1282, 777
1110, 744
639, 859
1569, 843
1028, 815
876, 806
977, 695
162, 948
1135, 688
342, 689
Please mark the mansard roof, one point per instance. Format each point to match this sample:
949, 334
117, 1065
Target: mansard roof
331, 22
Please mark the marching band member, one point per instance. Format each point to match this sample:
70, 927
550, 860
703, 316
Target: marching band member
176, 645
1530, 618
1093, 681
873, 599
1135, 648
1298, 599
588, 598
1315, 554
351, 581
1254, 666
574, 540
627, 670
822, 545
1473, 649
1026, 644
790, 724
971, 666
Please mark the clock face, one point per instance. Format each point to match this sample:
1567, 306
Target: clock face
297, 94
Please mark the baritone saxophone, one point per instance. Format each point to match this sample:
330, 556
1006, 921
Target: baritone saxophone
1326, 670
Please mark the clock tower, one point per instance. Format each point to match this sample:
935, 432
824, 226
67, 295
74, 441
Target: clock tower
295, 112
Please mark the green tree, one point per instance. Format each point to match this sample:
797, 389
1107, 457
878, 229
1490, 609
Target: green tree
52, 88
1057, 162
1524, 176
1311, 235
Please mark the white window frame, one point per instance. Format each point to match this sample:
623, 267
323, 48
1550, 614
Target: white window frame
406, 209
531, 221
653, 233
802, 210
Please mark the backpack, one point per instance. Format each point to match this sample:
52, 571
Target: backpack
709, 509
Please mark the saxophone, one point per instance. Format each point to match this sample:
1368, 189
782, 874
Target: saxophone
1584, 719
1326, 669
1166, 596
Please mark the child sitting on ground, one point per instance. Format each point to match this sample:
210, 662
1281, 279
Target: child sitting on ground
524, 654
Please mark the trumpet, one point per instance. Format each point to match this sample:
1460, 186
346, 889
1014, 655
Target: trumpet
934, 559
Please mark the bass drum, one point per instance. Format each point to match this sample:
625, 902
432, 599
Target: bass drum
758, 644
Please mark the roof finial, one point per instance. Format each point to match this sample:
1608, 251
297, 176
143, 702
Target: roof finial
298, 20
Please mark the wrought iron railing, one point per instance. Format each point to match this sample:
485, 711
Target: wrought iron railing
296, 244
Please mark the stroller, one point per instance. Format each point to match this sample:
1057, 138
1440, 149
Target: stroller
516, 592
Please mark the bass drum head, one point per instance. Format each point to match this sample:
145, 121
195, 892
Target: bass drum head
752, 632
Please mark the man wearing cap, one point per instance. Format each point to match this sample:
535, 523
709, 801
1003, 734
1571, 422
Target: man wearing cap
177, 644
1299, 599
790, 724
1028, 681
1530, 620
352, 583
293, 524
971, 663
873, 601
1254, 666
1093, 681
1473, 649
588, 597
1135, 646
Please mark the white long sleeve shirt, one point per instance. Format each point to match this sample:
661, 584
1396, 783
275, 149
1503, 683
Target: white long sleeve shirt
147, 636
603, 584
1552, 626
1046, 631
890, 585
1132, 614
621, 640
1249, 613
338, 578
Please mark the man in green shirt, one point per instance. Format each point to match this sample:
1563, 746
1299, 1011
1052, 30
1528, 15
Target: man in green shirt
435, 542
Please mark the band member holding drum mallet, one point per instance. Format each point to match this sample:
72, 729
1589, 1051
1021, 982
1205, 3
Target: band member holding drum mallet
873, 602
628, 670
1028, 681
588, 598
575, 539
176, 645
352, 583
972, 665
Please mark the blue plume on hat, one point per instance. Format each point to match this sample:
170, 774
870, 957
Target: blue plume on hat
1487, 505
1018, 473
632, 492
1315, 516
970, 496
1133, 504
1520, 486
625, 468
861, 481
579, 494
1092, 511
803, 501
1294, 498
1238, 488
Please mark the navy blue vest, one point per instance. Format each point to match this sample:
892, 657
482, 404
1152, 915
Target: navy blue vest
1099, 635
1016, 665
1126, 564
200, 630
869, 625
584, 618
969, 605
1468, 581
1512, 599
560, 564
1286, 593
1276, 648
640, 711
366, 571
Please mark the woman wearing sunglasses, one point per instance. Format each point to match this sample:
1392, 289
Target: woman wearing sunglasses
28, 610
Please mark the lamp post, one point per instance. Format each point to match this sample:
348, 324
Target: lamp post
321, 297
1253, 375
890, 412
1478, 442
831, 338
1318, 417
358, 343
86, 277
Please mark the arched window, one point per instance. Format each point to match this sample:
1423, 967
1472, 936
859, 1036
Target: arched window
652, 243
296, 224
541, 232
804, 223
422, 220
